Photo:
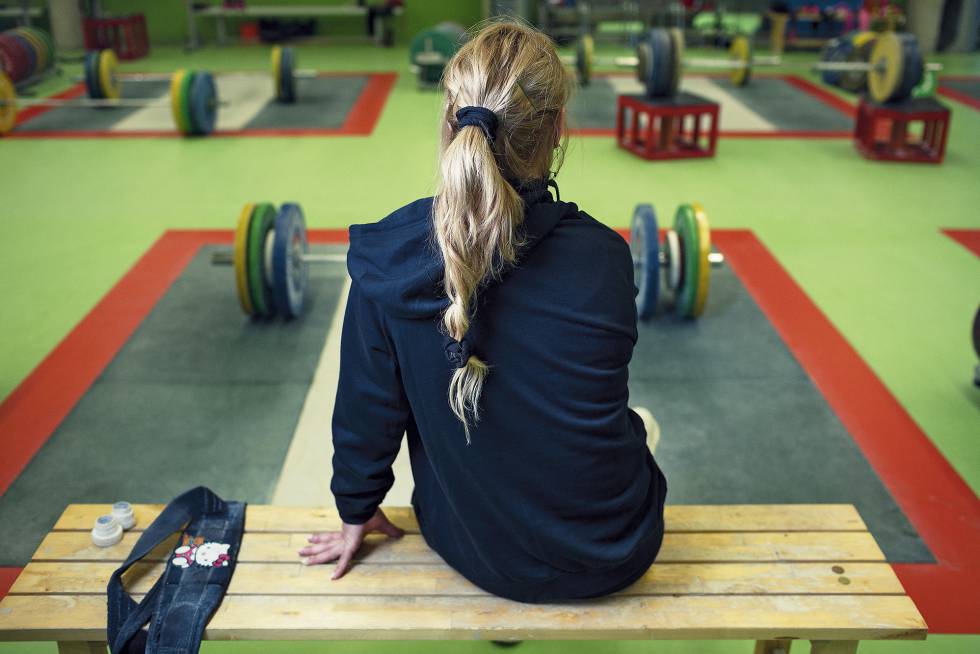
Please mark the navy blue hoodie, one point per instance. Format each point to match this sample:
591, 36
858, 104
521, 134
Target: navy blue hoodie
557, 497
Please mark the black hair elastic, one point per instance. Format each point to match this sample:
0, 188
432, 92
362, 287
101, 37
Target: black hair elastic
480, 117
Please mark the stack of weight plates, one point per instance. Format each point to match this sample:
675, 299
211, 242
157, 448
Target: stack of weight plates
659, 61
194, 102
283, 65
25, 52
101, 81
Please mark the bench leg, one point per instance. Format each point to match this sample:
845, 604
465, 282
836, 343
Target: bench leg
833, 646
780, 646
83, 647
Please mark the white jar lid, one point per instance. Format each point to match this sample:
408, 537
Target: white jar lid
123, 513
107, 531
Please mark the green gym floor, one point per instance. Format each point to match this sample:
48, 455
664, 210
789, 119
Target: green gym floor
861, 238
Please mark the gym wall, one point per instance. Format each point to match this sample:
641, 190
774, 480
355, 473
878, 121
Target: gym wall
167, 19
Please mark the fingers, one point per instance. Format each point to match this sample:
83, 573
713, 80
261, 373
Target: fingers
344, 563
321, 553
325, 537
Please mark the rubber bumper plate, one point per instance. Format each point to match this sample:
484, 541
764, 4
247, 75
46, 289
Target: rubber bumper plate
685, 224
287, 81
740, 51
240, 259
289, 269
8, 110
585, 58
263, 220
202, 104
108, 77
645, 248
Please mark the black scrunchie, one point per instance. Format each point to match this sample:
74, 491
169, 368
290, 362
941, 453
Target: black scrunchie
458, 352
480, 117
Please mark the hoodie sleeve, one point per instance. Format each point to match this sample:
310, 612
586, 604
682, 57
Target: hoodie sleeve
370, 414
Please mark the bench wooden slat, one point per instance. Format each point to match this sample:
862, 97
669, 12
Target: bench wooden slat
678, 518
677, 547
440, 579
819, 617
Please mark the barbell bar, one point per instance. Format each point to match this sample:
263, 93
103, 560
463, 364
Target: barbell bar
193, 102
271, 259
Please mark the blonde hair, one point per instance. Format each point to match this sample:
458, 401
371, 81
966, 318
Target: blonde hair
514, 71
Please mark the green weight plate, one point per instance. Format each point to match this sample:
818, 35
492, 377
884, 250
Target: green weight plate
927, 87
263, 219
93, 84
686, 226
442, 40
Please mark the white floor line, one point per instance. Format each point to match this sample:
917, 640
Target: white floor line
305, 476
245, 95
733, 115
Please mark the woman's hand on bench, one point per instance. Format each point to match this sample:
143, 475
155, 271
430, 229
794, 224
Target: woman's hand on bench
331, 545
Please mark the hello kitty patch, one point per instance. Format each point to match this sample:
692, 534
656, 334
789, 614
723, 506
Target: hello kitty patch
195, 551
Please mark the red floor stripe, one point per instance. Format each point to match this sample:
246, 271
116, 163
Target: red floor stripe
367, 110
7, 577
939, 504
968, 238
959, 96
32, 112
822, 94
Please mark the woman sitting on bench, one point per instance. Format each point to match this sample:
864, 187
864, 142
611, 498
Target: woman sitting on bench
495, 324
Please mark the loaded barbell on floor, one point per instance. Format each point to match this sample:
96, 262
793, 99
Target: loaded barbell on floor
685, 255
895, 67
271, 258
102, 79
431, 49
193, 102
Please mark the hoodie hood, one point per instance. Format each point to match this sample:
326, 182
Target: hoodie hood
397, 264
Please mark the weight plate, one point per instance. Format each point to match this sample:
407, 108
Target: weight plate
28, 49
240, 259
202, 104
886, 72
740, 51
8, 108
16, 61
645, 248
287, 79
108, 78
48, 42
263, 220
836, 50
676, 59
93, 85
644, 61
662, 65
289, 270
674, 262
276, 57
179, 100
856, 81
585, 58
6, 59
444, 39
704, 266
685, 224
40, 48
913, 66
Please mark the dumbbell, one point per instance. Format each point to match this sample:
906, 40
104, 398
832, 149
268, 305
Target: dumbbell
271, 258
679, 266
102, 79
193, 102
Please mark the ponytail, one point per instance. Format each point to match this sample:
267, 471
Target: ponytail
505, 91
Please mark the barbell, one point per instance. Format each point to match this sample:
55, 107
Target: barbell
102, 79
271, 259
193, 102
895, 67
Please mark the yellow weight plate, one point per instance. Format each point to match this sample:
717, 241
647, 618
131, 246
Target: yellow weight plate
740, 51
241, 263
108, 64
677, 49
886, 67
704, 266
861, 38
8, 104
176, 106
276, 71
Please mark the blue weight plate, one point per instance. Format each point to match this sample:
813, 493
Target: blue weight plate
836, 50
203, 104
287, 81
645, 248
913, 66
289, 270
662, 65
93, 83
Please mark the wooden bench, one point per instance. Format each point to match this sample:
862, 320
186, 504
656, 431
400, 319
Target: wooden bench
772, 574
